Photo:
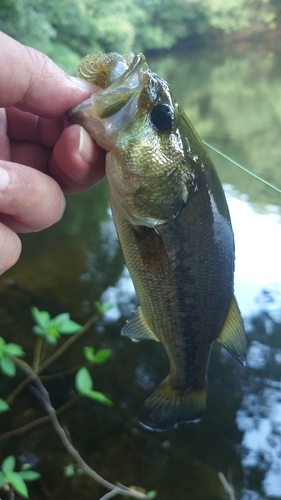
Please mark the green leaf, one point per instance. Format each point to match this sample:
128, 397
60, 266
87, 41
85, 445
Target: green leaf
17, 483
89, 353
83, 380
2, 479
102, 355
2, 346
8, 464
69, 471
3, 405
99, 357
42, 318
60, 320
96, 396
38, 330
51, 338
152, 494
70, 327
29, 475
7, 366
102, 308
14, 350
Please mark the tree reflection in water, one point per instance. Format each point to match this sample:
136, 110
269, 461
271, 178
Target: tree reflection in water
260, 414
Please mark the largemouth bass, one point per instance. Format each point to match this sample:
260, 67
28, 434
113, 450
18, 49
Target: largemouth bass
173, 225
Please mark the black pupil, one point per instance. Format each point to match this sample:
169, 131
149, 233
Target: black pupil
162, 117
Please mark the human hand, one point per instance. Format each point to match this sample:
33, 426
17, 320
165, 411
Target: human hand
39, 156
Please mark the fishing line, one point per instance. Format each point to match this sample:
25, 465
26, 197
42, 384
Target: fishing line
241, 166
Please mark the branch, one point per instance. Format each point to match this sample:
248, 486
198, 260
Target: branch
43, 395
228, 488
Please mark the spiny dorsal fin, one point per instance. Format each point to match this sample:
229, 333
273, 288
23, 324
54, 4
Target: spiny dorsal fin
232, 336
137, 328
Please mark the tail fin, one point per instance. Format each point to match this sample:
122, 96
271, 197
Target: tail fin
168, 407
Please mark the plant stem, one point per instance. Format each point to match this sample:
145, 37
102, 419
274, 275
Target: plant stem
43, 395
19, 388
110, 494
37, 353
228, 488
39, 421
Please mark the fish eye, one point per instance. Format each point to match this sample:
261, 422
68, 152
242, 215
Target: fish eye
162, 117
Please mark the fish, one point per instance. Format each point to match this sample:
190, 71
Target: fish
173, 225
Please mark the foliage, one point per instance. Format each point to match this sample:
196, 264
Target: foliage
84, 386
96, 357
68, 30
7, 352
52, 328
16, 480
48, 328
3, 406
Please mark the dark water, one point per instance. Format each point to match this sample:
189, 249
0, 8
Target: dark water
233, 97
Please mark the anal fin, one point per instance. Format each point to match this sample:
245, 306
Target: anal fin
137, 328
232, 336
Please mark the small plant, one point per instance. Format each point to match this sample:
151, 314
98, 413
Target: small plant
9, 479
49, 330
71, 470
97, 358
7, 352
52, 328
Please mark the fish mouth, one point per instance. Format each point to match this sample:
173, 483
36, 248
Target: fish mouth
111, 110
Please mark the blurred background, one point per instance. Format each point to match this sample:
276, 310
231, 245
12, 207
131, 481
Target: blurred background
223, 61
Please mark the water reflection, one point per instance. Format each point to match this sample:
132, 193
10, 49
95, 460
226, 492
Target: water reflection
258, 289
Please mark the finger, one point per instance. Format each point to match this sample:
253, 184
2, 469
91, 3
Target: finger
10, 248
33, 82
78, 163
32, 155
24, 126
32, 199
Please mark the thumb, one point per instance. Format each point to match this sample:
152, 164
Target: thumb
32, 82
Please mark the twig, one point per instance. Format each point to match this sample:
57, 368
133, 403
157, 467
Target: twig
37, 354
228, 488
110, 494
19, 388
43, 395
39, 421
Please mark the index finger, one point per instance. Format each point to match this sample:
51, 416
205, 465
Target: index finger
32, 82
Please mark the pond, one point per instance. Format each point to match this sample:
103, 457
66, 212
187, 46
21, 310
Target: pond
232, 95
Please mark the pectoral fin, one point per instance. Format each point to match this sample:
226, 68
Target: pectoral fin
152, 250
137, 329
232, 336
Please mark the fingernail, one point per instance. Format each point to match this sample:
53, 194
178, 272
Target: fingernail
82, 84
4, 179
81, 140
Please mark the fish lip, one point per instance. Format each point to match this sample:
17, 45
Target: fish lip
109, 111
99, 105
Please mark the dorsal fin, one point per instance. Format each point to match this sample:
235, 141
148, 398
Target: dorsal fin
232, 336
137, 328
